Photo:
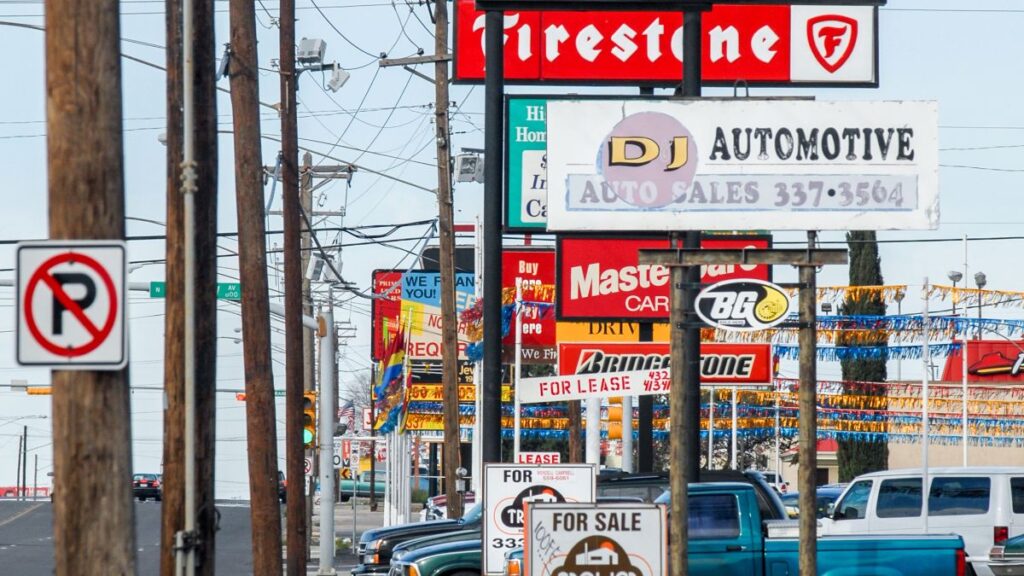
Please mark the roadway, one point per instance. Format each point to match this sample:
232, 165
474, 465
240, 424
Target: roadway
26, 537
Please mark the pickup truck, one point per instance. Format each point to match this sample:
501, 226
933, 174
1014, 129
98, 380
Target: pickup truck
376, 546
727, 537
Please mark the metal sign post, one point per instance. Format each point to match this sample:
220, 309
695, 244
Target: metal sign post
807, 261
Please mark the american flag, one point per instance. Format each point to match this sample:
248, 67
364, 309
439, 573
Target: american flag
347, 414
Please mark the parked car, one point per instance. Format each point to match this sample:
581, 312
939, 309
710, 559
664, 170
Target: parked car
825, 498
361, 485
282, 487
728, 537
436, 507
377, 546
145, 486
774, 479
984, 505
768, 500
461, 558
405, 548
1008, 559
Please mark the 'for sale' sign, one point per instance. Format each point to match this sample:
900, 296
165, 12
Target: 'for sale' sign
610, 540
508, 488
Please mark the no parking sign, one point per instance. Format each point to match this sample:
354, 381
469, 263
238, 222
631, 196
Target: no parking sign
71, 305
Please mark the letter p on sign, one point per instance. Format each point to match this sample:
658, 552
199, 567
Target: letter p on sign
71, 305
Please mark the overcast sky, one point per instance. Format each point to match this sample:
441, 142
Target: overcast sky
967, 59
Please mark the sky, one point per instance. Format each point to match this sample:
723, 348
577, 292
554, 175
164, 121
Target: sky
964, 56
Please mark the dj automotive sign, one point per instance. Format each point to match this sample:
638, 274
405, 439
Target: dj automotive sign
741, 164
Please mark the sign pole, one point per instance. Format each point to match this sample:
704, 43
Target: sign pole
807, 260
926, 356
518, 361
808, 447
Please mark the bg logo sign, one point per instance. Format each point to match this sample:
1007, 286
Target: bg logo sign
742, 305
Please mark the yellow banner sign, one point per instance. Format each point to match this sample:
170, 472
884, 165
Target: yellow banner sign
435, 393
606, 332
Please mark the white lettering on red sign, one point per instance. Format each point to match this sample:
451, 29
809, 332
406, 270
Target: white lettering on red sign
770, 43
539, 458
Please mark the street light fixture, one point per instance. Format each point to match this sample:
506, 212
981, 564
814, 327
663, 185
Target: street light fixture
955, 276
981, 280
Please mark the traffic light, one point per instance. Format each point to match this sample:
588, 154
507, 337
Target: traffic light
309, 420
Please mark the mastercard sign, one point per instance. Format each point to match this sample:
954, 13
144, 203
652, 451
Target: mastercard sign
743, 305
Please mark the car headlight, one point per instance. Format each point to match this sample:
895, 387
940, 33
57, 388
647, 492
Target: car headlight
370, 551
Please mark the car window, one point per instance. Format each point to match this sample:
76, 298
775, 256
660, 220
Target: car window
957, 496
855, 504
473, 514
899, 498
1017, 494
713, 516
628, 491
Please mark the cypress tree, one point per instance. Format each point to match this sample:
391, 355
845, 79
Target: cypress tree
860, 456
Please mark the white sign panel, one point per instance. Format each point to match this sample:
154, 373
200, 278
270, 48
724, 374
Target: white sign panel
738, 164
71, 305
587, 386
605, 540
508, 487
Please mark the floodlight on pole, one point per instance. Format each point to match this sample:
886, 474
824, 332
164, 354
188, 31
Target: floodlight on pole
981, 280
954, 276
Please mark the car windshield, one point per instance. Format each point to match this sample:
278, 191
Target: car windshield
472, 515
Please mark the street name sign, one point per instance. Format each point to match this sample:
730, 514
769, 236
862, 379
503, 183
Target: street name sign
71, 305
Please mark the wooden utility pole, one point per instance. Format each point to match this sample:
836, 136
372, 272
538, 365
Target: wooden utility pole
446, 260
173, 509
205, 286
91, 409
575, 426
449, 320
252, 259
294, 451
807, 261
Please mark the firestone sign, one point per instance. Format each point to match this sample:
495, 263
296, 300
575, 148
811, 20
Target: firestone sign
662, 165
759, 44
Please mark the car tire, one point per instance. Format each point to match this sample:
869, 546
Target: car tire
462, 573
142, 498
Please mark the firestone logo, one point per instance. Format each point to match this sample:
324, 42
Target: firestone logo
832, 38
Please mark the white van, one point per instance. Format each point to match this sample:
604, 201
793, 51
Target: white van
984, 505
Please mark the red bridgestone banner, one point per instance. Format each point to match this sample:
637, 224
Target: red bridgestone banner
720, 363
600, 278
536, 269
768, 45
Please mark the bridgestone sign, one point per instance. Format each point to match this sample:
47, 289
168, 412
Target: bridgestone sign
663, 165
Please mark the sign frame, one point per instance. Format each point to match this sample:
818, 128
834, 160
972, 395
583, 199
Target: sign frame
570, 478
561, 285
911, 127
655, 520
114, 279
607, 8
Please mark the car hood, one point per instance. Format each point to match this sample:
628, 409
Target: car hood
404, 530
434, 539
447, 548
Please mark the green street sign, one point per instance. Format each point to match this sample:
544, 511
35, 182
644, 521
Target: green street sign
229, 291
225, 290
279, 393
